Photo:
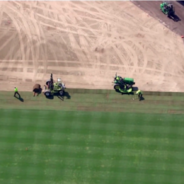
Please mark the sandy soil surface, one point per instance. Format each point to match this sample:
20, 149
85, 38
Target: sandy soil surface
85, 44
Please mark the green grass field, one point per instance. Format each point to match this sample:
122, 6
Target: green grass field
95, 137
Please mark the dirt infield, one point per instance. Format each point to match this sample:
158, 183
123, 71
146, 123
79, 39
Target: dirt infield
85, 44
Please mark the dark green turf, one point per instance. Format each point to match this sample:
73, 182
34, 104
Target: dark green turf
60, 144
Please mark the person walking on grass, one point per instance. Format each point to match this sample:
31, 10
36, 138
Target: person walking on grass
139, 93
16, 92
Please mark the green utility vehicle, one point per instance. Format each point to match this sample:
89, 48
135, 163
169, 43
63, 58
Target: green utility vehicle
123, 85
168, 9
54, 88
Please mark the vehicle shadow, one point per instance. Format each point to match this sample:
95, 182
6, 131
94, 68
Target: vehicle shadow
175, 18
51, 97
65, 95
135, 88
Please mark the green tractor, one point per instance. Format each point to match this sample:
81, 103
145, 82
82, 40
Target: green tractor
123, 85
168, 9
54, 88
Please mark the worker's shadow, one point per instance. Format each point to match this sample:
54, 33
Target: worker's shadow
67, 95
19, 98
142, 98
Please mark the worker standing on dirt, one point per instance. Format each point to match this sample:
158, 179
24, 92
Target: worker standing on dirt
16, 92
139, 93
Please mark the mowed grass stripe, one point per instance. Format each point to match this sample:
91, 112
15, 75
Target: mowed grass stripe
87, 147
104, 102
102, 107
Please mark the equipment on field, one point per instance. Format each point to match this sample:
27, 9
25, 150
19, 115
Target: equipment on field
168, 9
123, 85
54, 88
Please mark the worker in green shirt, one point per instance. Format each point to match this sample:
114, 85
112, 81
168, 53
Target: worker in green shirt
139, 93
16, 92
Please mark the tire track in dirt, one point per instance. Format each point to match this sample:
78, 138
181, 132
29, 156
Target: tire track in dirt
28, 26
83, 41
20, 40
87, 40
66, 24
105, 15
81, 53
113, 47
7, 42
34, 36
8, 55
1, 12
34, 32
44, 40
108, 19
15, 54
45, 51
118, 53
23, 24
70, 68
85, 66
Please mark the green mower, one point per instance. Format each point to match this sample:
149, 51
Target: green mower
168, 9
123, 85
